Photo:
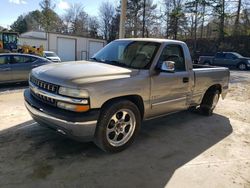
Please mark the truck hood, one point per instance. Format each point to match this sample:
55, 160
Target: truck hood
76, 74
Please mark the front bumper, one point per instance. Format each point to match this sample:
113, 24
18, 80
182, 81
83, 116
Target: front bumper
79, 126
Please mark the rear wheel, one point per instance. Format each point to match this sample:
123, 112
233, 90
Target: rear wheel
118, 125
209, 102
242, 66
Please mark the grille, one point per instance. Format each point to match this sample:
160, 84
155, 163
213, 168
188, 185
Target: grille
44, 85
43, 98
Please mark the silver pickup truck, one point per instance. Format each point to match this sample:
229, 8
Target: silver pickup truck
129, 80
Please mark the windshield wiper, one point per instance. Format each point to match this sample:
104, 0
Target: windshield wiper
96, 59
113, 62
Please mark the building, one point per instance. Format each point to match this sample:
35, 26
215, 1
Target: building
67, 47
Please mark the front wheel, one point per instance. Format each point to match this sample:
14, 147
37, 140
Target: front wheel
117, 126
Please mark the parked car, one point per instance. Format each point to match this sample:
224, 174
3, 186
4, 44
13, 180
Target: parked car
226, 59
16, 67
51, 56
128, 81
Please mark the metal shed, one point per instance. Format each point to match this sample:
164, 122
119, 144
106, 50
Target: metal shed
68, 47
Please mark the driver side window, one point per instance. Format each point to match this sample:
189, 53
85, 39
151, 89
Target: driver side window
174, 53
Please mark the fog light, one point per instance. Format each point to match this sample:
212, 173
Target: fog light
73, 107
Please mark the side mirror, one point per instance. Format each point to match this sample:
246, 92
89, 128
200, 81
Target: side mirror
168, 66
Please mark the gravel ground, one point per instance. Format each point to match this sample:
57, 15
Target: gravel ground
180, 150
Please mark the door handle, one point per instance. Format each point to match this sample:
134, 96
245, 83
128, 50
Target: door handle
35, 65
185, 80
5, 69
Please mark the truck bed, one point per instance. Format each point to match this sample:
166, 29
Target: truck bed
205, 76
200, 66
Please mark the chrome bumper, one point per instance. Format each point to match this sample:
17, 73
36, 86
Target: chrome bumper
77, 130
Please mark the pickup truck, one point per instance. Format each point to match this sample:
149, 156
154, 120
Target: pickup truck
106, 99
226, 59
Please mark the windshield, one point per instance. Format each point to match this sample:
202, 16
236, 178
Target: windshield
237, 55
9, 38
50, 54
131, 54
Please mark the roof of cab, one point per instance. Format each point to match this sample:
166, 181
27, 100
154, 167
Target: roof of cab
152, 40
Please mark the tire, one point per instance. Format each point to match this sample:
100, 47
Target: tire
209, 102
118, 125
242, 66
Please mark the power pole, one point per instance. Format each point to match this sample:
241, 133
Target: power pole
143, 18
122, 19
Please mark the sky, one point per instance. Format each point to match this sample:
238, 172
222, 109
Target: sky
11, 9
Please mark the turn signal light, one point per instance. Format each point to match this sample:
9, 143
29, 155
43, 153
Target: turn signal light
73, 107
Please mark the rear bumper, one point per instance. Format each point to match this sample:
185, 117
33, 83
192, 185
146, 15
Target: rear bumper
80, 128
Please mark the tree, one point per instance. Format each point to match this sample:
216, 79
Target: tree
176, 19
237, 19
50, 20
31, 21
219, 12
93, 27
106, 14
76, 20
149, 18
246, 22
134, 15
196, 8
20, 25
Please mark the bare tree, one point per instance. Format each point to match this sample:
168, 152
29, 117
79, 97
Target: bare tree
93, 27
106, 14
76, 20
176, 17
237, 19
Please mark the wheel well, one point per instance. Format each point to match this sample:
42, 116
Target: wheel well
136, 99
242, 62
214, 88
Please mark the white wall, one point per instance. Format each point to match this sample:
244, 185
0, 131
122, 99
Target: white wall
34, 34
82, 44
33, 42
50, 42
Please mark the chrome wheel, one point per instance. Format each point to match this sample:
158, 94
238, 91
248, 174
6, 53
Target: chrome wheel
215, 101
121, 127
242, 67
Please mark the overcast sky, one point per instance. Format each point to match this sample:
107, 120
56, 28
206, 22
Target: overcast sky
11, 9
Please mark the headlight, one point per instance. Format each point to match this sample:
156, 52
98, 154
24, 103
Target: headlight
77, 93
73, 107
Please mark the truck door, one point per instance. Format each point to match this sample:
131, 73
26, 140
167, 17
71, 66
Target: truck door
230, 60
219, 59
5, 69
170, 90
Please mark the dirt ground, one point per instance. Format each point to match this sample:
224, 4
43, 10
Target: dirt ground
180, 150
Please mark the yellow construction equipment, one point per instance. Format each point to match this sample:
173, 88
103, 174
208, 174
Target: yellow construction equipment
9, 43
